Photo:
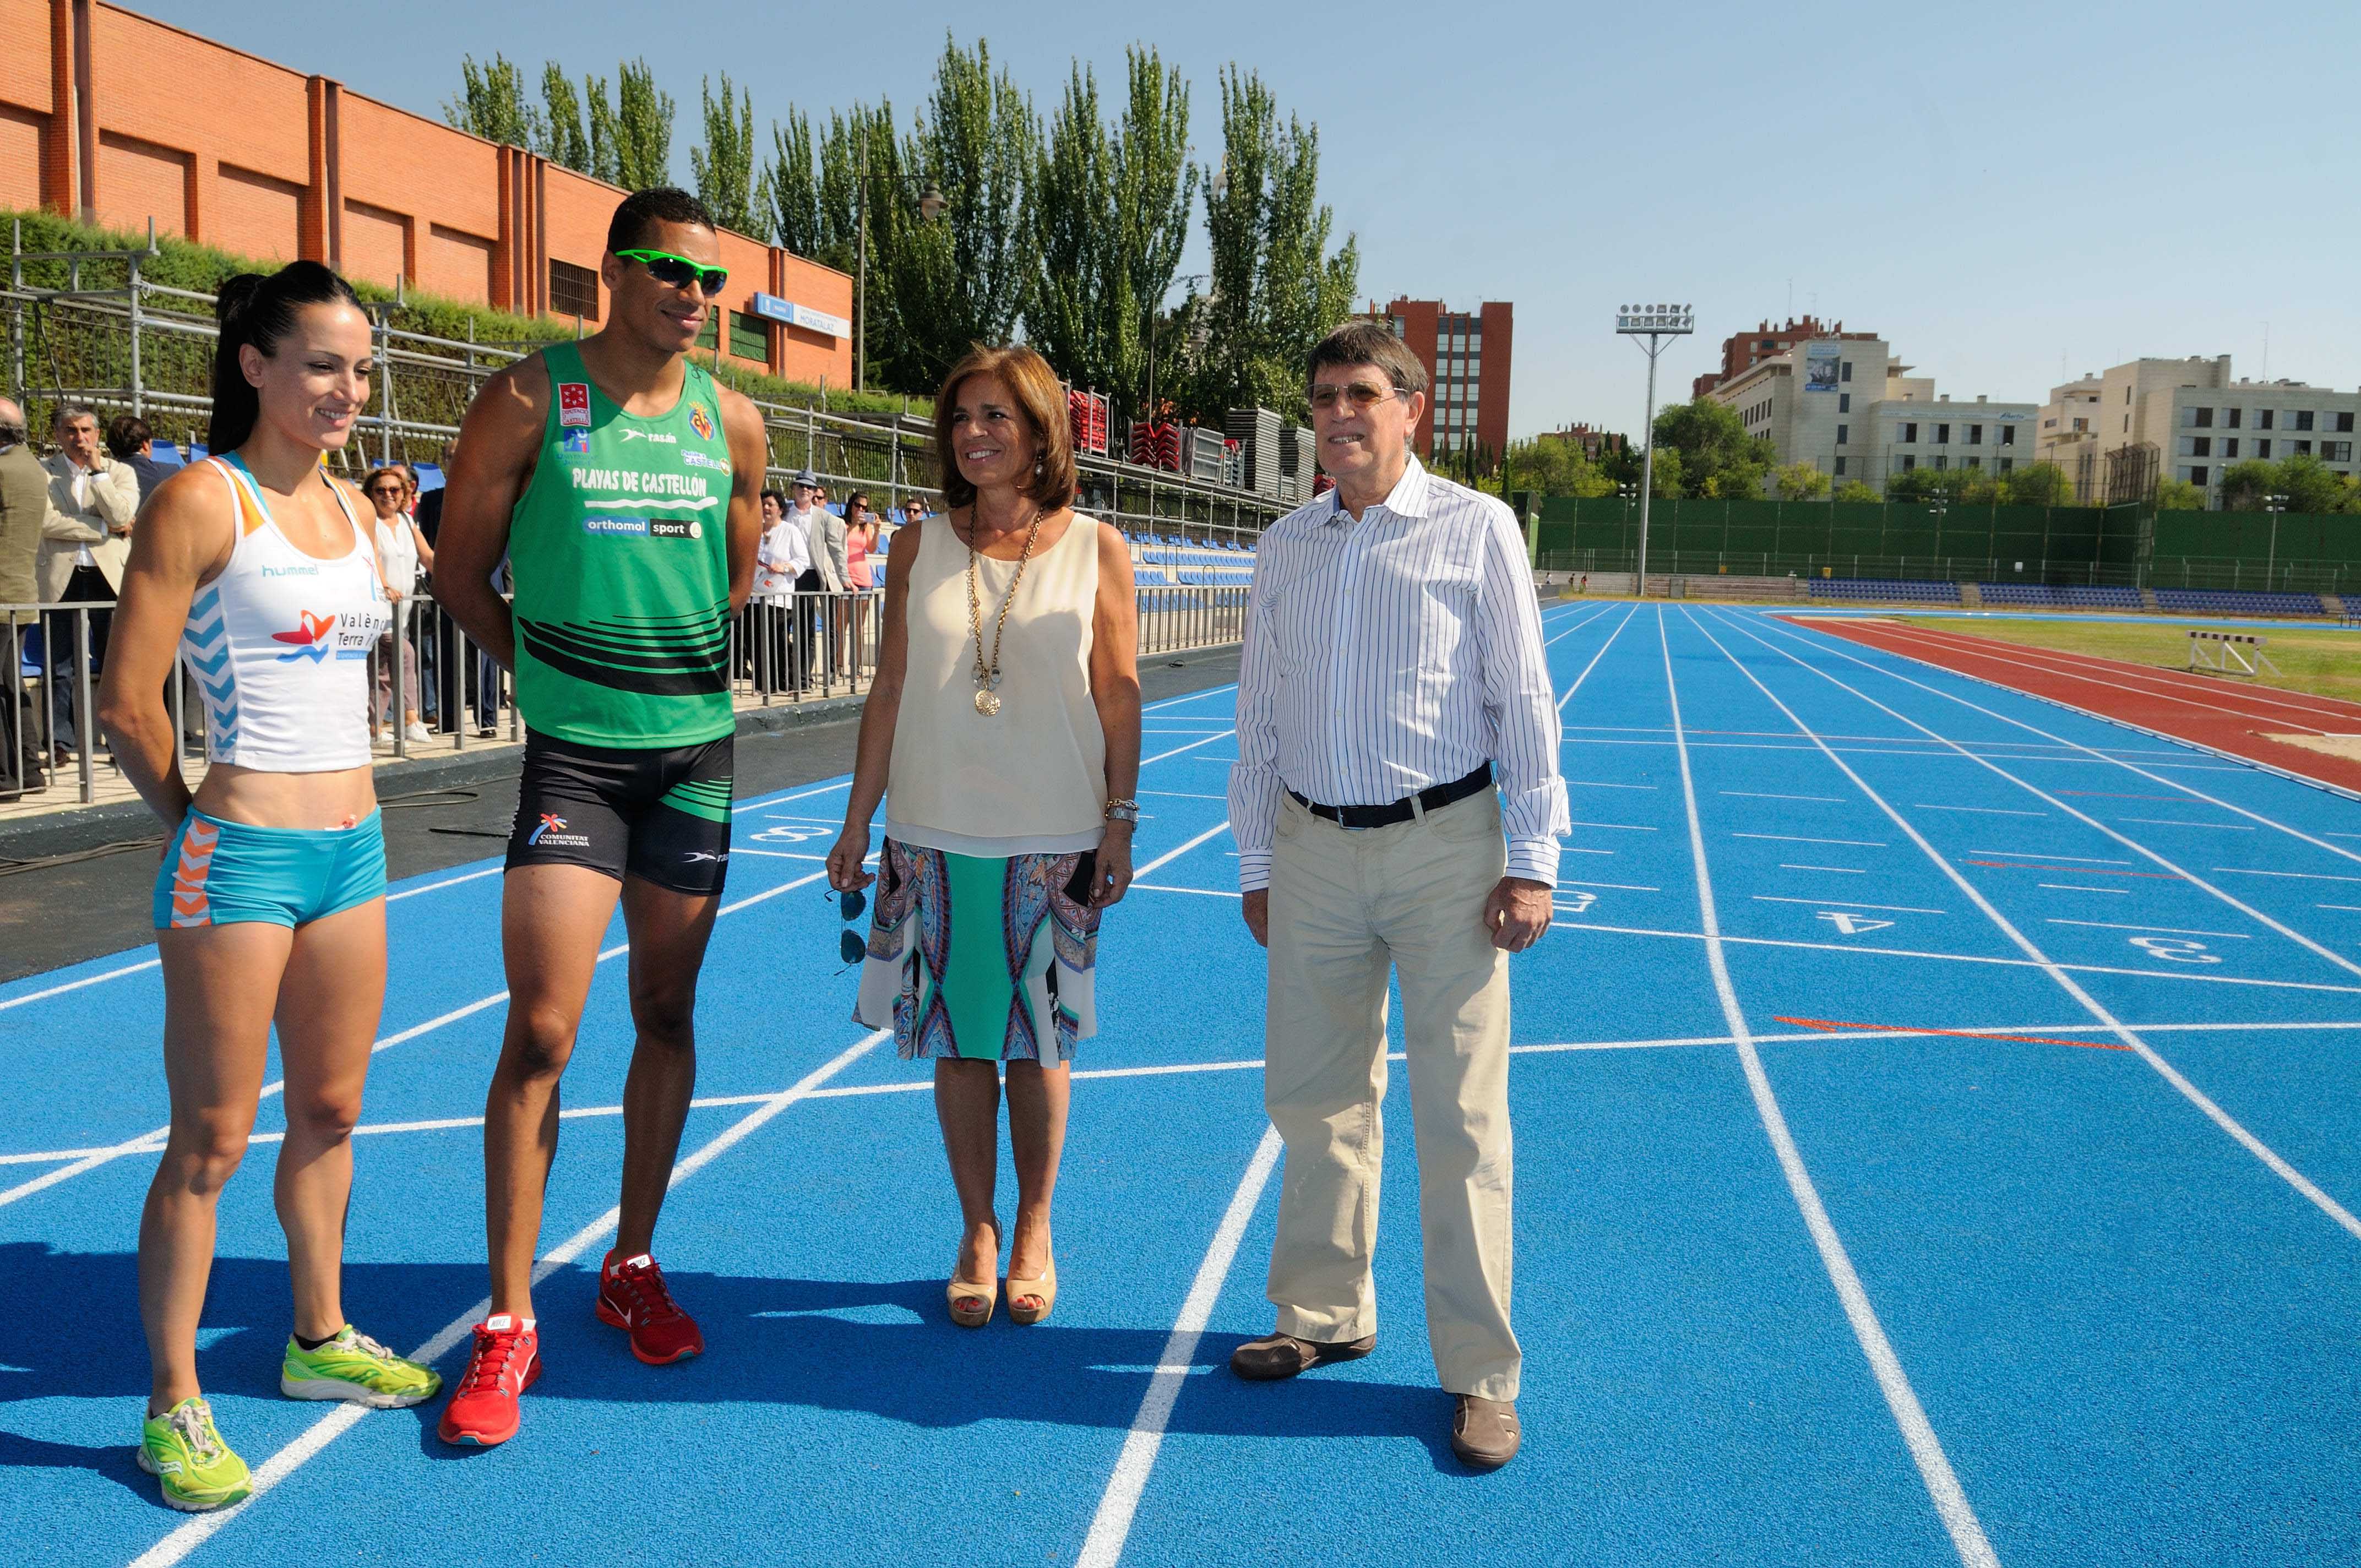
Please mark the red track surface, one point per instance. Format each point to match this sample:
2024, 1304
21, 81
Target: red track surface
2210, 710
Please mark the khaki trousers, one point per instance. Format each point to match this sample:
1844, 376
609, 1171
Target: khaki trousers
1345, 906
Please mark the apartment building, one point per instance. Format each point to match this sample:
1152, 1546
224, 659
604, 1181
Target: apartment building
1742, 350
1848, 408
2115, 433
1469, 356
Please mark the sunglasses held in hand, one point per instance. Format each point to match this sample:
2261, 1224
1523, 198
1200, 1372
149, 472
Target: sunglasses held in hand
679, 271
849, 945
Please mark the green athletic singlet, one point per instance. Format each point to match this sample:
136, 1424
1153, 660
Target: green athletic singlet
619, 552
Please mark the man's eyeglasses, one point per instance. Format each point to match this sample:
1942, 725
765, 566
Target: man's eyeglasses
679, 271
1362, 395
849, 945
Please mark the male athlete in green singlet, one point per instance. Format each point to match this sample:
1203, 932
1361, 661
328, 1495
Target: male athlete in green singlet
623, 486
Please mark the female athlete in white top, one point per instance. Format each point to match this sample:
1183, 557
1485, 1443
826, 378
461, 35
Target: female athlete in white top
257, 569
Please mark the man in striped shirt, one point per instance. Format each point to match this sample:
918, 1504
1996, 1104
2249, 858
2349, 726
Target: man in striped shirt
1395, 714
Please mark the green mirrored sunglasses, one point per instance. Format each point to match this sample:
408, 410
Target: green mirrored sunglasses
679, 271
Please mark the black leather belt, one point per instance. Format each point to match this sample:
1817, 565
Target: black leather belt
1434, 799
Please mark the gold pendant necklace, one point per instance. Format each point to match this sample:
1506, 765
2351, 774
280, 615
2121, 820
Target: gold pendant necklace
987, 676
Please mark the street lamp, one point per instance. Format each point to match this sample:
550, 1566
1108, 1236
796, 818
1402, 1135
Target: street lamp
932, 204
1654, 323
2273, 504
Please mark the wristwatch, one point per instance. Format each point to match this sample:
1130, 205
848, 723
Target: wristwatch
1123, 811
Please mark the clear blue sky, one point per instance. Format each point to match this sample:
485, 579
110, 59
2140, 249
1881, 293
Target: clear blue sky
1999, 189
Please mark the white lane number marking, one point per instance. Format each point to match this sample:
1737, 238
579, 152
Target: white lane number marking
2179, 950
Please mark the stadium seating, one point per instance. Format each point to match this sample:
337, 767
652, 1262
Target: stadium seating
2227, 601
1875, 589
2091, 598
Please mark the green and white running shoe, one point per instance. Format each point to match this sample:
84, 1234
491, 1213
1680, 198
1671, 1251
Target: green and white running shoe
354, 1367
196, 1468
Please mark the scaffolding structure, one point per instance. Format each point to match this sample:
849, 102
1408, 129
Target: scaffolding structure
118, 341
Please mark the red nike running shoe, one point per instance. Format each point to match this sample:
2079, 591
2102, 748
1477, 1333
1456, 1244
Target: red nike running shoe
505, 1363
633, 1297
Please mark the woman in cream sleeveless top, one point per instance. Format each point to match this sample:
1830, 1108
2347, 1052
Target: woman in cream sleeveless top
1002, 735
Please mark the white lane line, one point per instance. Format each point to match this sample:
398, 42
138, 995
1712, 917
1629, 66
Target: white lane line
1979, 810
2349, 908
1202, 892
1112, 1523
1182, 795
2153, 856
78, 984
1759, 794
325, 1430
1596, 784
1615, 886
1841, 903
1792, 838
2078, 860
1594, 660
150, 1142
389, 898
1848, 870
2056, 973
1205, 741
1578, 623
493, 869
2176, 822
1192, 696
2076, 887
1942, 1485
2167, 930
1614, 826
1844, 650
2182, 974
1216, 830
2326, 834
2298, 876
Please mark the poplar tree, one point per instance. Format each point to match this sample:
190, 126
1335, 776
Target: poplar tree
491, 103
1080, 296
643, 128
965, 278
793, 184
1276, 288
1155, 191
724, 166
563, 142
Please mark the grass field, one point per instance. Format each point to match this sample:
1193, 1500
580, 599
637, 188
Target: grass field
2323, 661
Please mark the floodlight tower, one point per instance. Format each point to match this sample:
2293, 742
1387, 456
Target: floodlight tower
1654, 323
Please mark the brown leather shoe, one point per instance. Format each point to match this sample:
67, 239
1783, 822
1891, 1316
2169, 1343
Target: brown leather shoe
1484, 1433
1284, 1356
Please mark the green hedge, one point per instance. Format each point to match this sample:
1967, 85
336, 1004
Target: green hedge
179, 264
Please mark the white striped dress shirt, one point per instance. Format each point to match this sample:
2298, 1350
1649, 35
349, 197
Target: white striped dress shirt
1386, 656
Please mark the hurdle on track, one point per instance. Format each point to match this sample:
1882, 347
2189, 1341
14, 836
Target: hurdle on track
2225, 657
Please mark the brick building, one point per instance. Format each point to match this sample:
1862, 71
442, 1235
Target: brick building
1591, 441
117, 118
1742, 349
1468, 358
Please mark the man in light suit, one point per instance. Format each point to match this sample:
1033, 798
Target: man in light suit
85, 542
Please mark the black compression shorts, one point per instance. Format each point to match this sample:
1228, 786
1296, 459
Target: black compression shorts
660, 815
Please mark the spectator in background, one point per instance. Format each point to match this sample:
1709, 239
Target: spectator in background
860, 539
780, 562
402, 551
24, 508
465, 675
85, 544
809, 506
128, 441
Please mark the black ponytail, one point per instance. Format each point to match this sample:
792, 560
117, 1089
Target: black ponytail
252, 308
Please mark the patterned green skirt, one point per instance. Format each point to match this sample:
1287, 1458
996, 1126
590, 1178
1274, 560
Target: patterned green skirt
978, 957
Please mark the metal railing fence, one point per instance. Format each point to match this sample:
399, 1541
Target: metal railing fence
120, 342
789, 649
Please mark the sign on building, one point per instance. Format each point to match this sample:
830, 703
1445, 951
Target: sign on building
804, 316
1820, 368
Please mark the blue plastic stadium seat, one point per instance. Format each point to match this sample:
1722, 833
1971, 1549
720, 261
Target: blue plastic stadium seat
2227, 601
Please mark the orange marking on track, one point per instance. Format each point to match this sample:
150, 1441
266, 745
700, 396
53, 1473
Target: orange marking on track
1955, 1034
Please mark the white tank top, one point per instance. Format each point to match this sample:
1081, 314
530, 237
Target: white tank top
1031, 779
280, 643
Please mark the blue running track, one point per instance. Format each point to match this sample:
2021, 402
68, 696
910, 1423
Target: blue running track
1938, 1142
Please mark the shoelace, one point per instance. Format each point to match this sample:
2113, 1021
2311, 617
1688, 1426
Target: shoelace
494, 1350
191, 1422
651, 1300
361, 1341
